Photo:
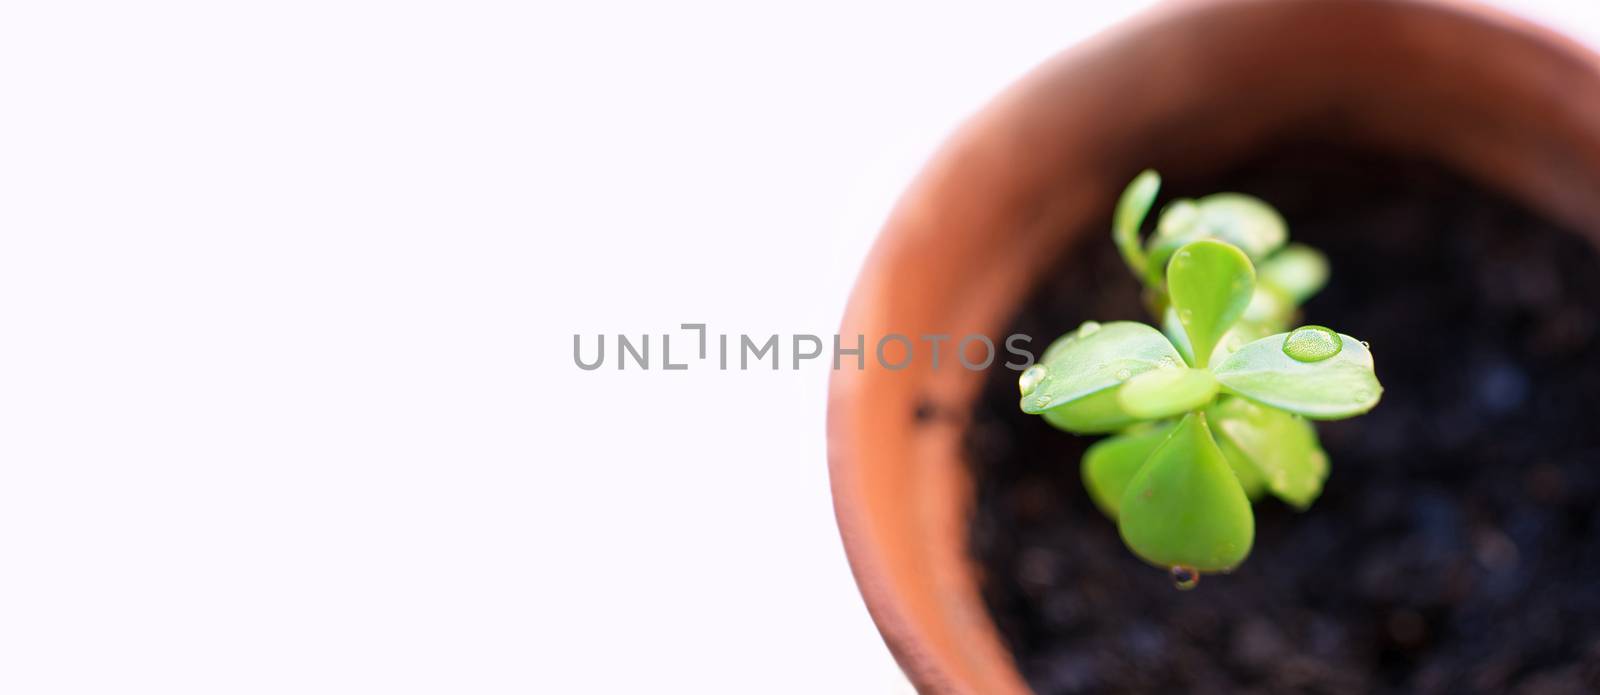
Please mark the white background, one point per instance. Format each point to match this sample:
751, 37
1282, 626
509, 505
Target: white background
287, 298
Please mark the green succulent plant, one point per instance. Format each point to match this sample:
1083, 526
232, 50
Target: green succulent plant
1213, 411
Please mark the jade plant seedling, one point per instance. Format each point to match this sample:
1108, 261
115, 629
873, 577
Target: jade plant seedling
1211, 412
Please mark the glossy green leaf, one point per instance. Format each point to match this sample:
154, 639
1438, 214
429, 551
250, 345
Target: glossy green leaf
1180, 224
1179, 219
1299, 271
1269, 306
1241, 333
1113, 461
1244, 221
1164, 393
1210, 284
1341, 386
1173, 329
1282, 448
1131, 210
1094, 358
1185, 506
1250, 479
1097, 413
1241, 220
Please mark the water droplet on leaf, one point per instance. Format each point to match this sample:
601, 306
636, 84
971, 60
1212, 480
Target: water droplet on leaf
1041, 401
1312, 344
1184, 578
1088, 328
1123, 374
1031, 377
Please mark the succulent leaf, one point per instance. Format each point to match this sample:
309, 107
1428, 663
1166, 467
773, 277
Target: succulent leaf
1113, 461
1210, 284
1340, 385
1132, 208
1184, 507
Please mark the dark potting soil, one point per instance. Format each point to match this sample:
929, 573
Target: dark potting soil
1456, 546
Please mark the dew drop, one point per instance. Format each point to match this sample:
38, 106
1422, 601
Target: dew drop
1186, 315
1366, 344
1041, 401
1312, 344
1167, 362
1184, 578
1123, 374
1031, 377
1088, 328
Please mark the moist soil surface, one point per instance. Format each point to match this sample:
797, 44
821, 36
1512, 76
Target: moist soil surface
1456, 545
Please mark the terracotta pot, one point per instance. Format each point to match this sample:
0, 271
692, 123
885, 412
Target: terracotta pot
1188, 88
